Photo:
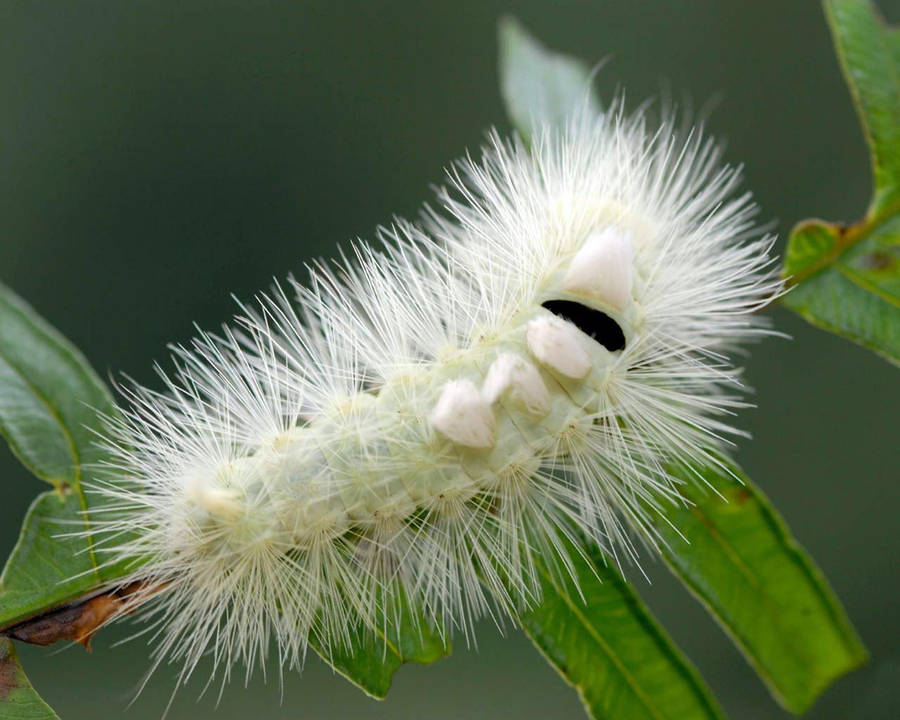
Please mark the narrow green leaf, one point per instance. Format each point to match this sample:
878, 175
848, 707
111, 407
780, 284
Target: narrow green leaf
868, 51
609, 647
742, 563
18, 700
847, 279
375, 654
539, 87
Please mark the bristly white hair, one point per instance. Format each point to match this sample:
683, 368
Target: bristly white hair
424, 418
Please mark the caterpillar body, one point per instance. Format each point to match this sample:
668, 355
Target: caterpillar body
422, 419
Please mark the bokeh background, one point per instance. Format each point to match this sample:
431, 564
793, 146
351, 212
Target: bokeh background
157, 156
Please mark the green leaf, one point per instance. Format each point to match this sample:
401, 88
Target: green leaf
377, 653
18, 700
847, 279
742, 563
44, 569
539, 87
609, 647
49, 398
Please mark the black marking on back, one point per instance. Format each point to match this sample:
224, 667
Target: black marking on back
598, 325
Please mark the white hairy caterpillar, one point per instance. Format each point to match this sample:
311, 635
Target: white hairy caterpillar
422, 419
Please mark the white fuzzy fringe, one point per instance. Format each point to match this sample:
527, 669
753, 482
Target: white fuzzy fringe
415, 421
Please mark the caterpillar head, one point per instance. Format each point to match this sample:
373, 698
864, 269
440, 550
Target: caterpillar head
594, 291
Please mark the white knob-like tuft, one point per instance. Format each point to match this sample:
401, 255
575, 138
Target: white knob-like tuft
220, 502
602, 269
557, 344
463, 415
512, 374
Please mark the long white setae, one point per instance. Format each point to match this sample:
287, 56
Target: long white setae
421, 419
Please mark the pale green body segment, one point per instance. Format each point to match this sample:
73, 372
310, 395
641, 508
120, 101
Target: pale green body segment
377, 458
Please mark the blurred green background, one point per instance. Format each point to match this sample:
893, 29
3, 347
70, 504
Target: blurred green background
157, 156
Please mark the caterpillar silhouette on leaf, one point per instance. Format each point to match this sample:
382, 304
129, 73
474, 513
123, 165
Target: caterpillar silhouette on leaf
422, 418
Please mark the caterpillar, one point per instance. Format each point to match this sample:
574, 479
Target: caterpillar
424, 417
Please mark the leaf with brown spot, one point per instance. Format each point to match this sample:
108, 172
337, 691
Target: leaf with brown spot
846, 279
78, 621
75, 622
18, 700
